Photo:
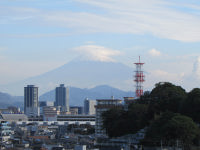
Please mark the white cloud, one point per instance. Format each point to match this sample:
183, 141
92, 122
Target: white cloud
158, 75
191, 79
97, 53
196, 68
154, 52
164, 75
156, 17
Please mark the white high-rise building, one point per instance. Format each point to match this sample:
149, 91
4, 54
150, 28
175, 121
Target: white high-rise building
89, 107
31, 101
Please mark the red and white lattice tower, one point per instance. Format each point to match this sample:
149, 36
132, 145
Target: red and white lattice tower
139, 78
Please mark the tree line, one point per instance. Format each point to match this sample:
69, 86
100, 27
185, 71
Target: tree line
170, 114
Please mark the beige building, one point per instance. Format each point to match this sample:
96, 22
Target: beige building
50, 113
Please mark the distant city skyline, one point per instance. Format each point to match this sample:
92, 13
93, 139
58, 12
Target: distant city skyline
39, 36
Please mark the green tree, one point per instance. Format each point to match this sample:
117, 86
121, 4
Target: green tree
182, 128
166, 97
112, 121
137, 117
171, 127
118, 122
191, 106
155, 131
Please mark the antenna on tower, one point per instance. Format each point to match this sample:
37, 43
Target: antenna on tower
139, 78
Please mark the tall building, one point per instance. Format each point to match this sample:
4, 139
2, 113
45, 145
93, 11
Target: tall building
31, 100
89, 107
62, 97
102, 106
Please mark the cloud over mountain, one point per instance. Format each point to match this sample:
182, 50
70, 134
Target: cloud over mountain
97, 53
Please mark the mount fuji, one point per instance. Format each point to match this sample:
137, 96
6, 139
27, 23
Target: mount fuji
82, 74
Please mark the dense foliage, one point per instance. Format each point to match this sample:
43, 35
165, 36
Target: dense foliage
118, 122
170, 128
168, 112
191, 106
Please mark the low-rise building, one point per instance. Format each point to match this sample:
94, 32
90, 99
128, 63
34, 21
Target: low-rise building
73, 110
50, 113
5, 131
76, 110
13, 117
43, 104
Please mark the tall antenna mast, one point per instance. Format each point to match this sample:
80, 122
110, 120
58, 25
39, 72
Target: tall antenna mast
139, 78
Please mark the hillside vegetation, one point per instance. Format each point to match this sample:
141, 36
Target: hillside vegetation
169, 113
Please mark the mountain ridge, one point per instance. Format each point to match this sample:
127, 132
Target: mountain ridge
98, 92
77, 96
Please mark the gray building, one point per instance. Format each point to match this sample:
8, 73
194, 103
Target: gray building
31, 100
13, 117
62, 97
89, 106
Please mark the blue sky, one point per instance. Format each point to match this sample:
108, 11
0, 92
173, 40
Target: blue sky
37, 36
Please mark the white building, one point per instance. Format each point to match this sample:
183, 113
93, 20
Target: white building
89, 107
102, 106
